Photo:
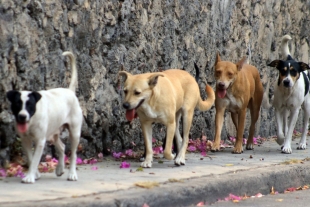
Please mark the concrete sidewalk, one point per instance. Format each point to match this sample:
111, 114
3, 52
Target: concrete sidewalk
201, 179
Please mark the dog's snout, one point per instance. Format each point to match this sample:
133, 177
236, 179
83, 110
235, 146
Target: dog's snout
126, 105
221, 85
286, 83
21, 117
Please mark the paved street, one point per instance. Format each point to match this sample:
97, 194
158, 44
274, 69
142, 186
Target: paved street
201, 179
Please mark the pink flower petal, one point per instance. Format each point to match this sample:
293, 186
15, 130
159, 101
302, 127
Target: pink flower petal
94, 168
124, 165
100, 155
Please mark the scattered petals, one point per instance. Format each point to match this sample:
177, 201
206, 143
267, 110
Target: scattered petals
100, 155
79, 161
145, 205
125, 165
200, 204
94, 168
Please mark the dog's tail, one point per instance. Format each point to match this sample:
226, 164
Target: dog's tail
284, 47
197, 72
74, 81
206, 105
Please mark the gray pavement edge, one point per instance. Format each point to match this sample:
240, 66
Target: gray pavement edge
191, 191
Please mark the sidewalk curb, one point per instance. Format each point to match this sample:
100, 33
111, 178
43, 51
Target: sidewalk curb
207, 188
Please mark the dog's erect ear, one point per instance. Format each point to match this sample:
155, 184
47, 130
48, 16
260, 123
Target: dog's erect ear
241, 63
11, 95
153, 79
124, 74
275, 63
36, 96
217, 58
303, 66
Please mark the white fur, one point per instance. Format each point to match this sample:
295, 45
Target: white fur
56, 108
287, 103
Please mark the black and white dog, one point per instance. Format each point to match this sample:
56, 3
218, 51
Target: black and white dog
291, 93
41, 116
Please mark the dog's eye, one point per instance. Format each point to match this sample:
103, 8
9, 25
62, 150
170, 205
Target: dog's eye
230, 74
125, 91
137, 92
218, 73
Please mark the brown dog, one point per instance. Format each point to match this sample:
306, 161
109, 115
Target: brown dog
238, 87
164, 97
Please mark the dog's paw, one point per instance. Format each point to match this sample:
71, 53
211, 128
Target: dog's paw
30, 178
38, 175
146, 164
286, 150
59, 170
215, 150
249, 147
179, 160
280, 141
169, 156
72, 176
302, 146
237, 150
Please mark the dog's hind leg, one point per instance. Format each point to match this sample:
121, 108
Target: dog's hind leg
187, 122
177, 136
33, 173
302, 143
147, 135
74, 140
170, 135
60, 147
254, 117
280, 116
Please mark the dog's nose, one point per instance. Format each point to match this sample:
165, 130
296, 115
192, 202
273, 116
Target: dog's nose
286, 83
21, 117
221, 85
126, 105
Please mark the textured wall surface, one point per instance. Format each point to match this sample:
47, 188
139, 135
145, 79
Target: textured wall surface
142, 35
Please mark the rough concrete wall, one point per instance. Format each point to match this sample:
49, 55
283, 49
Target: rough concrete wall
142, 35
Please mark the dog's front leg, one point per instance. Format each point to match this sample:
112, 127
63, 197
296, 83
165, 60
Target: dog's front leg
33, 173
239, 140
147, 134
288, 137
302, 143
280, 122
219, 119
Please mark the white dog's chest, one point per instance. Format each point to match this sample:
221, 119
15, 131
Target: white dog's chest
231, 103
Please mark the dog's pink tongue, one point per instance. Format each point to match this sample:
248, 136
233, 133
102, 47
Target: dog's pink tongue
130, 114
22, 128
221, 93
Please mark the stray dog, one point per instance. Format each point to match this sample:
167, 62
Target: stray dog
164, 97
290, 94
238, 87
41, 116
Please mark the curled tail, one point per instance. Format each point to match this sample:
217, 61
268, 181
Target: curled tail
73, 82
206, 105
284, 47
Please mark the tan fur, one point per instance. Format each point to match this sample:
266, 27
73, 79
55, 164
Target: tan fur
243, 90
167, 96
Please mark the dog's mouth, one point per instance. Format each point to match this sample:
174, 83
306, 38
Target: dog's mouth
22, 127
131, 113
221, 92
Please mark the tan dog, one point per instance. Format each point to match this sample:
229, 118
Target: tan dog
164, 97
238, 87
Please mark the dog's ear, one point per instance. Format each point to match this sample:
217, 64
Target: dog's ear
241, 63
275, 63
36, 96
217, 58
11, 95
124, 74
303, 66
153, 79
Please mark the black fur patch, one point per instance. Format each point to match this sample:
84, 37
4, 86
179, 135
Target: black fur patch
17, 103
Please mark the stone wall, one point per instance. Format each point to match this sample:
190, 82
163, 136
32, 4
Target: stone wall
142, 35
